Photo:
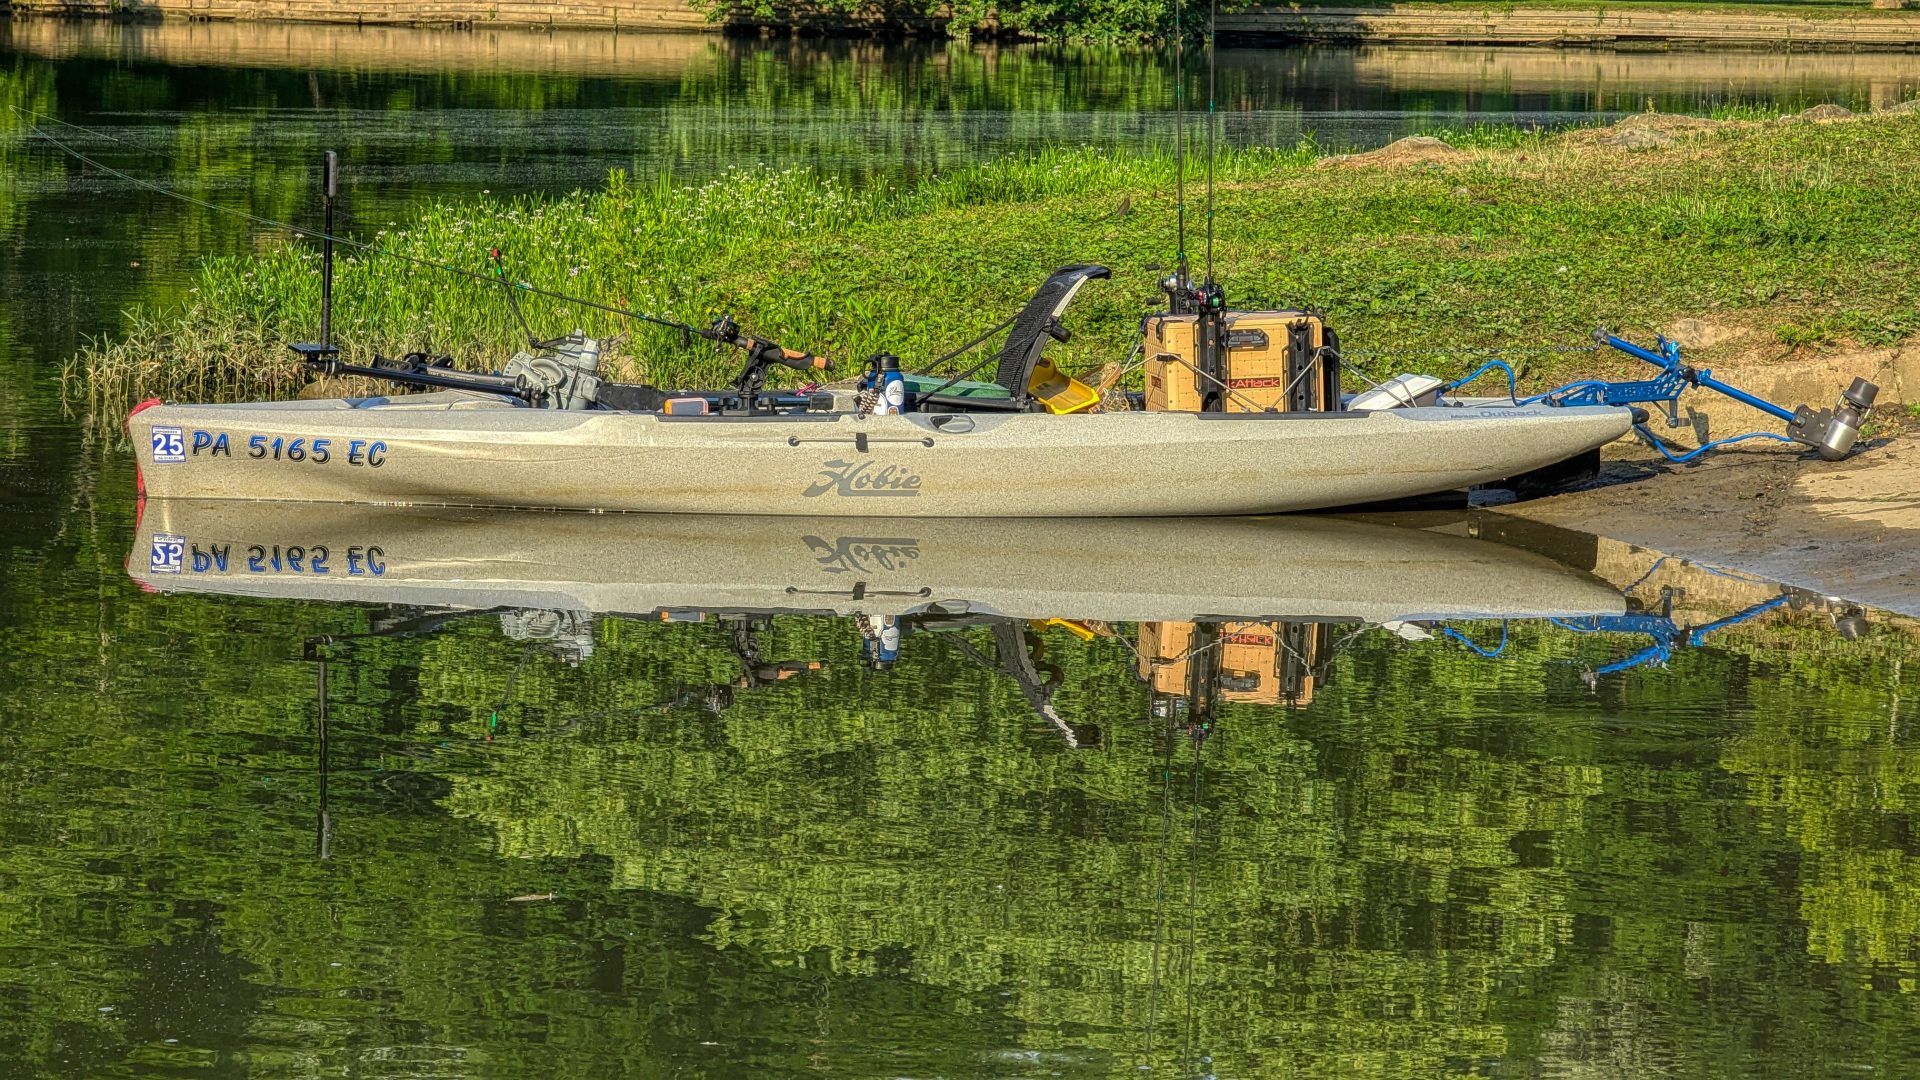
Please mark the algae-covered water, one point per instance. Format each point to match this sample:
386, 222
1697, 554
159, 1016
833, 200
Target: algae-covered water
1449, 796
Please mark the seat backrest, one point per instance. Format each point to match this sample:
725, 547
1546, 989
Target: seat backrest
1028, 338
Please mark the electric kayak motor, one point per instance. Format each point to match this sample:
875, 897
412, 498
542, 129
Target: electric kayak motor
1240, 361
565, 376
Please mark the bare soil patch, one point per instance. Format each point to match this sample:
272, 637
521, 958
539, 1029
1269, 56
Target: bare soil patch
1412, 150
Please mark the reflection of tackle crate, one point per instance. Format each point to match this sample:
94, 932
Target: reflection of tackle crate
1265, 663
1274, 362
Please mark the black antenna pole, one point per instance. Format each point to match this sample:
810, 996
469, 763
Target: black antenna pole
329, 187
1212, 15
1180, 144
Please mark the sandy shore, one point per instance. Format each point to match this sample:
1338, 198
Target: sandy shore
1848, 528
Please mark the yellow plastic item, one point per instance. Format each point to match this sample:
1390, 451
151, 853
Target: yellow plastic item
1059, 392
1081, 630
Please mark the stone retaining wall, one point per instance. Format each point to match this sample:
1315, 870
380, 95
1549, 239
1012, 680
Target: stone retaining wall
1454, 24
596, 14
1439, 24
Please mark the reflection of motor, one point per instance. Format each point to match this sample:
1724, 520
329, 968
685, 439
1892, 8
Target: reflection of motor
567, 634
1849, 619
879, 642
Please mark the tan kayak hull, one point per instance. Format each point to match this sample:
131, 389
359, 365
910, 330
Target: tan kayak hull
453, 450
1120, 570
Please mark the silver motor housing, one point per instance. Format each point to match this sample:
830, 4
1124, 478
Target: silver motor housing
566, 378
1832, 432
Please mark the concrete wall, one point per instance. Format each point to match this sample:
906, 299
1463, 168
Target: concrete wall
1440, 24
319, 47
597, 14
1458, 24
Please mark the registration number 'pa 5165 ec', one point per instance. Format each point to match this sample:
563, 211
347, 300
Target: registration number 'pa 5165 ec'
172, 445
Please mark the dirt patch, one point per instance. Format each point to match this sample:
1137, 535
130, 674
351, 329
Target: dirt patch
1644, 131
1825, 112
1412, 150
1698, 334
1670, 124
1912, 106
1845, 528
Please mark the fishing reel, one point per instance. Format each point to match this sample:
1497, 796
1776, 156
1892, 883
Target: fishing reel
761, 354
1185, 297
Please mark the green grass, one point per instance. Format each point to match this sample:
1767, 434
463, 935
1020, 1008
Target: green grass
1810, 228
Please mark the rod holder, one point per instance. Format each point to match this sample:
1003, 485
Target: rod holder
329, 190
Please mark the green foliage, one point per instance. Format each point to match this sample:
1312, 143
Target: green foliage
1130, 20
1517, 243
1065, 20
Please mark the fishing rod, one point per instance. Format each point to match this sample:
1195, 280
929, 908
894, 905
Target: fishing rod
1212, 19
421, 370
1179, 145
326, 237
1206, 300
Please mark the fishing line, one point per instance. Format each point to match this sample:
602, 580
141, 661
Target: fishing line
1160, 891
1179, 140
315, 234
1193, 893
970, 372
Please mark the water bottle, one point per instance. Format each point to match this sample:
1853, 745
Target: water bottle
893, 388
882, 648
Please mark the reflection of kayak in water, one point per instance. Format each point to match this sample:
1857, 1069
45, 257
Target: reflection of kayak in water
1118, 570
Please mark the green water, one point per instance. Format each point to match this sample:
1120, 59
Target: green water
504, 853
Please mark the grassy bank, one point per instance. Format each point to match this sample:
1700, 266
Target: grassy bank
1811, 229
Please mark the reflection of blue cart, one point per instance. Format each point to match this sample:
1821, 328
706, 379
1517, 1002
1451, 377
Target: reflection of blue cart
1849, 621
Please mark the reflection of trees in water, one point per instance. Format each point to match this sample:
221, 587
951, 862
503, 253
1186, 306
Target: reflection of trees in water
1439, 859
1845, 786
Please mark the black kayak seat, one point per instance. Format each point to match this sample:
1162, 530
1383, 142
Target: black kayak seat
1020, 354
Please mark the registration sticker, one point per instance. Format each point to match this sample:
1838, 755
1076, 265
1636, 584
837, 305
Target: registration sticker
169, 446
168, 552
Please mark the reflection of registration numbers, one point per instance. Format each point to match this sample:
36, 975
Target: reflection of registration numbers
167, 554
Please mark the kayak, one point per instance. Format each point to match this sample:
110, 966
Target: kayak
468, 449
1122, 570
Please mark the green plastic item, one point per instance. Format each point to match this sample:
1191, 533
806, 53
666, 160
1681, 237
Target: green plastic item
925, 384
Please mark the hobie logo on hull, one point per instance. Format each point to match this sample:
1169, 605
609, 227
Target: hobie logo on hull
863, 479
